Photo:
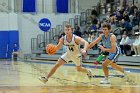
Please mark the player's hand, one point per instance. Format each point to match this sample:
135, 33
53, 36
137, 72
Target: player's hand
84, 52
102, 48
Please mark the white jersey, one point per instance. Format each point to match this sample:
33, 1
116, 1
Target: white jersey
72, 46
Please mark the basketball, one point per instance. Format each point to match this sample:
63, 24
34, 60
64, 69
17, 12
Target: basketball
51, 49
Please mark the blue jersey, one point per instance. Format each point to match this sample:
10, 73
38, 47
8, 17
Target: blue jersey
106, 41
107, 44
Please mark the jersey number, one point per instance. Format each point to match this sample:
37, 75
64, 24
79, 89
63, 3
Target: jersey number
71, 49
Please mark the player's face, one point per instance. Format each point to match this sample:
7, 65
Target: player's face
68, 30
105, 31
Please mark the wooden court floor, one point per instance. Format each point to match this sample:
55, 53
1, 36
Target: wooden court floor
22, 77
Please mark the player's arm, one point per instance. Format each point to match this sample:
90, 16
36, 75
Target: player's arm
94, 42
60, 43
81, 41
113, 44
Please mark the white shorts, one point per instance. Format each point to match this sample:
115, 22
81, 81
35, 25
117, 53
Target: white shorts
72, 57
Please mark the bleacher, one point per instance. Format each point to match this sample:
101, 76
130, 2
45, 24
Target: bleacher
82, 21
91, 57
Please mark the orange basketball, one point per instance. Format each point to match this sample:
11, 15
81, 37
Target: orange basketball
51, 49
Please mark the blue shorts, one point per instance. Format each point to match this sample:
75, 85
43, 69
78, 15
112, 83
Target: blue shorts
114, 56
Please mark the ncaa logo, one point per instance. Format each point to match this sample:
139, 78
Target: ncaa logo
44, 24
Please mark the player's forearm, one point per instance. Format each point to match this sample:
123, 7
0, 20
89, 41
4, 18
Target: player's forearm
110, 50
58, 47
94, 42
91, 45
60, 43
86, 45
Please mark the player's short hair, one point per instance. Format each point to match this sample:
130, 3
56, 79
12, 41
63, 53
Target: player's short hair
107, 25
68, 26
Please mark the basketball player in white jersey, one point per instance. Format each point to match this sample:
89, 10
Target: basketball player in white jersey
73, 53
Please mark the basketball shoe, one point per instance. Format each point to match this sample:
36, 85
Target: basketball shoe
43, 79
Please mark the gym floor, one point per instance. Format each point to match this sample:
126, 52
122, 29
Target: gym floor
22, 77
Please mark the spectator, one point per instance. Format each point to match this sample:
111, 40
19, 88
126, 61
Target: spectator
92, 37
132, 9
98, 25
15, 52
135, 20
125, 45
119, 16
127, 8
126, 16
136, 44
124, 31
126, 25
94, 20
122, 10
77, 30
94, 12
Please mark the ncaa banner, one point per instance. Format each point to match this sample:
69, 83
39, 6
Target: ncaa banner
62, 6
29, 5
44, 24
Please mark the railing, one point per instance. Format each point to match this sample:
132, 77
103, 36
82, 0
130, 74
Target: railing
34, 44
59, 29
71, 22
83, 18
88, 12
40, 39
77, 20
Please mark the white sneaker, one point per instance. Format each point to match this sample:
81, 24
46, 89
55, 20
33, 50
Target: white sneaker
89, 74
43, 79
134, 55
105, 81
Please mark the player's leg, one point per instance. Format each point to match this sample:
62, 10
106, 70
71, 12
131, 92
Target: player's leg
62, 60
105, 70
110, 58
85, 70
59, 63
77, 60
117, 67
105, 67
56, 66
135, 49
139, 50
81, 69
113, 58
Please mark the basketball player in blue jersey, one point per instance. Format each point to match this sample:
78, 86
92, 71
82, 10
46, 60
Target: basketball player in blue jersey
72, 42
109, 45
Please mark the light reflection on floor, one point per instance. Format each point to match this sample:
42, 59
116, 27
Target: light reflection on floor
22, 77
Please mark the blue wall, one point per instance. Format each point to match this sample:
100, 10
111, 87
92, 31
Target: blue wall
29, 5
62, 6
7, 40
